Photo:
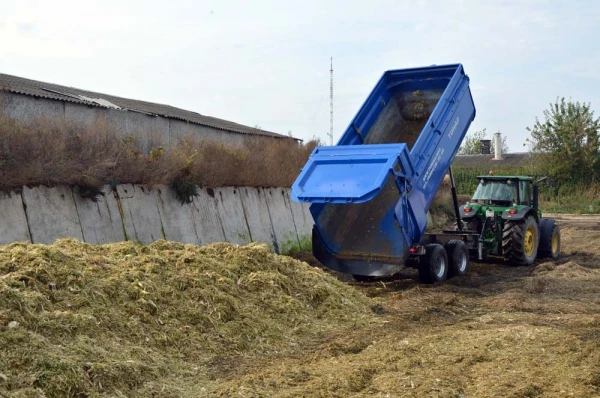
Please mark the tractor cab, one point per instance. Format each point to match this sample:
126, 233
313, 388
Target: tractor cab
503, 191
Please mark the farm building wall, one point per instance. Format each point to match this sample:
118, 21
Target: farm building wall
146, 128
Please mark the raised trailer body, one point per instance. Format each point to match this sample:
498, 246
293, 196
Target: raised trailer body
370, 193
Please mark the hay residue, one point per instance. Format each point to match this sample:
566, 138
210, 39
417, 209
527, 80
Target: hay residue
568, 270
122, 317
484, 361
499, 332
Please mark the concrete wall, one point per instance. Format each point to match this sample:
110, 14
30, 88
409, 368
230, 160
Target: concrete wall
149, 130
100, 221
284, 227
144, 215
13, 223
51, 214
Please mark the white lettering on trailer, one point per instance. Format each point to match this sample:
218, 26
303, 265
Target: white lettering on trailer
454, 126
432, 166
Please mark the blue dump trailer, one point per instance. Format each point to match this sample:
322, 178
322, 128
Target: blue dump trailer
371, 192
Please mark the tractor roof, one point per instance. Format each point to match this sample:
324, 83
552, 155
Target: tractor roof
495, 177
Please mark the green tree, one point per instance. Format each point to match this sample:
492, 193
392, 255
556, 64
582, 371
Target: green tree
567, 141
472, 143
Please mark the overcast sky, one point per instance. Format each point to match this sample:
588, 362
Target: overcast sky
266, 63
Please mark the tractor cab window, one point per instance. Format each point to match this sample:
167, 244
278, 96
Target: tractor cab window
495, 192
525, 192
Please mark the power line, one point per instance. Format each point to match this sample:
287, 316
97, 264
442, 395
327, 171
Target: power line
331, 102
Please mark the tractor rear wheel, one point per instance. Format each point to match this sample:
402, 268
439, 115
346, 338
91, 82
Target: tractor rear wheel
549, 239
520, 241
433, 266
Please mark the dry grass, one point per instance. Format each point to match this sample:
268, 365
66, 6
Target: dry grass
58, 153
129, 320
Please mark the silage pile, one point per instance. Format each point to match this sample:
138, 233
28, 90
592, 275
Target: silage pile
77, 319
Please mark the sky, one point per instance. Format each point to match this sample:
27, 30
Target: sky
266, 63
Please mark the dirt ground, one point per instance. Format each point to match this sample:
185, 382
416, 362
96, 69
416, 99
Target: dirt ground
501, 331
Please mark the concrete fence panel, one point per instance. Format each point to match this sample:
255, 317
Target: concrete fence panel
51, 214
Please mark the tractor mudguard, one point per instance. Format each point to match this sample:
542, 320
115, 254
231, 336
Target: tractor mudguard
519, 215
466, 216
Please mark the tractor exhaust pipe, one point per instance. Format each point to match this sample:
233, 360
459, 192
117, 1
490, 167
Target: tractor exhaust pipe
497, 146
536, 193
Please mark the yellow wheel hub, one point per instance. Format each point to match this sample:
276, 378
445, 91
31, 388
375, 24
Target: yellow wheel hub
554, 243
529, 240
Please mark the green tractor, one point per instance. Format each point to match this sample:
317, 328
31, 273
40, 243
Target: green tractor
504, 212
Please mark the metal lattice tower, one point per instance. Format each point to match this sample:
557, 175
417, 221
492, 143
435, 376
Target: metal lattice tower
331, 102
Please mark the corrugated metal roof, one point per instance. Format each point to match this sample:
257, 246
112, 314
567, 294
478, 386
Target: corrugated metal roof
509, 160
19, 85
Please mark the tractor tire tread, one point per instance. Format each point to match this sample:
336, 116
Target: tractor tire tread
513, 238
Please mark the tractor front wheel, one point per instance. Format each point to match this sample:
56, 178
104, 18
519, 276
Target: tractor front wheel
520, 241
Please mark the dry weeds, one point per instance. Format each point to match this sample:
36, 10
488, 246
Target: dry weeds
53, 153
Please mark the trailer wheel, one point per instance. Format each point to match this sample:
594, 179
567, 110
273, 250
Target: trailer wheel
520, 241
433, 265
549, 239
458, 258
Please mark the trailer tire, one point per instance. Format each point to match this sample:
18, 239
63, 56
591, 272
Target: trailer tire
520, 241
549, 239
458, 258
433, 266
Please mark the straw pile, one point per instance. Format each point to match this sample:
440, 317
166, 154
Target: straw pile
129, 320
